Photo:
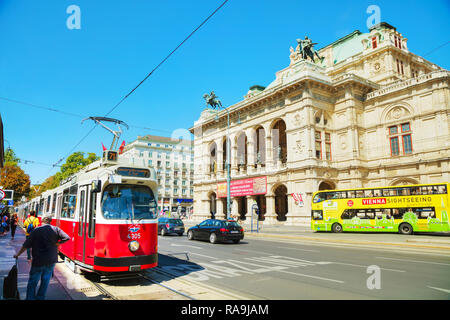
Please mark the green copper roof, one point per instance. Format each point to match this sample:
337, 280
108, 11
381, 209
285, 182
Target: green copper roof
348, 46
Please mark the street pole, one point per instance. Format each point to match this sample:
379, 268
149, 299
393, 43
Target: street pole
228, 167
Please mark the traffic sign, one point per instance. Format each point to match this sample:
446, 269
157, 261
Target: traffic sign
2, 194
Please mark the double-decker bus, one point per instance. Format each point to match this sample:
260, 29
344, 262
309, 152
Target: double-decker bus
403, 209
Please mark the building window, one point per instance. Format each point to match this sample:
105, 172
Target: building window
318, 145
402, 132
328, 146
398, 42
150, 163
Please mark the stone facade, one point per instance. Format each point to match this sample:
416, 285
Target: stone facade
370, 114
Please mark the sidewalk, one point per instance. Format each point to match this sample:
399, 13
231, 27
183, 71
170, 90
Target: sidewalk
8, 248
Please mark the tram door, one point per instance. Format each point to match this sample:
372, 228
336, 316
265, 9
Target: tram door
84, 241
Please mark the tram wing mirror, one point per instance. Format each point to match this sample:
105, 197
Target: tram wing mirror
96, 185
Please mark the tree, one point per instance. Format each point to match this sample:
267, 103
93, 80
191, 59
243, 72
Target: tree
11, 158
74, 163
14, 178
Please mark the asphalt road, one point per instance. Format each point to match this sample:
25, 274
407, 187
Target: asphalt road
281, 269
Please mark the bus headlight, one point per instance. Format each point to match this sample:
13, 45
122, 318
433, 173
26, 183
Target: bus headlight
133, 246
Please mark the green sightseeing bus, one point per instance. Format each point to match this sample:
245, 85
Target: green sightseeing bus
403, 209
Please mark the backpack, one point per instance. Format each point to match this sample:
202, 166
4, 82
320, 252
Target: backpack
30, 226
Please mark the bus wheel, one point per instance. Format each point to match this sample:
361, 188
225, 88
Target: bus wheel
405, 228
336, 228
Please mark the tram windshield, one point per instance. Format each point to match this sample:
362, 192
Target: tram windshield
128, 202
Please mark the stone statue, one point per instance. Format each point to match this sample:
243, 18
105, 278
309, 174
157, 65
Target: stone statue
212, 100
306, 49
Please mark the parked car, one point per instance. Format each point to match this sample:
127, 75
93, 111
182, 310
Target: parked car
216, 231
170, 225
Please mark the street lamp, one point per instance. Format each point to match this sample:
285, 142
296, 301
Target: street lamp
213, 101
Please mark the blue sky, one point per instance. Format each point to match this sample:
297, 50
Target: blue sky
88, 71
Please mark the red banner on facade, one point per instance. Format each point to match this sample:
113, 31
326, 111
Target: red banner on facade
245, 187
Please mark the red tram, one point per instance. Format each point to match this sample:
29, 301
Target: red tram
109, 209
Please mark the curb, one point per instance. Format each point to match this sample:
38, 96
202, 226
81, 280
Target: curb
364, 242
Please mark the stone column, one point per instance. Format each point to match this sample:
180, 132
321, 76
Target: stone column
234, 207
270, 216
221, 212
220, 155
251, 200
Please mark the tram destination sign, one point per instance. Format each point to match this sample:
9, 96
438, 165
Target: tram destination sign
133, 172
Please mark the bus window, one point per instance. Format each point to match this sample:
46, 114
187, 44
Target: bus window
318, 198
368, 193
370, 214
341, 195
393, 192
317, 215
377, 193
388, 213
359, 194
348, 214
442, 190
361, 214
379, 213
405, 191
415, 191
351, 194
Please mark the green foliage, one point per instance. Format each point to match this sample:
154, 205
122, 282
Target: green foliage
74, 163
10, 157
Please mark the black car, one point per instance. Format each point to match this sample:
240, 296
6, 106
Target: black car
170, 225
216, 231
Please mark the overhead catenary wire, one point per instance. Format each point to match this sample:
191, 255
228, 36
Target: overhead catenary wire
143, 80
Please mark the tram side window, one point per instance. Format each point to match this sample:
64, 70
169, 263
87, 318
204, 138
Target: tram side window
54, 204
81, 215
65, 205
93, 210
48, 204
72, 201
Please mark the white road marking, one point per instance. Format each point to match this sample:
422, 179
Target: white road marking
357, 265
184, 245
202, 255
418, 261
298, 249
310, 276
440, 289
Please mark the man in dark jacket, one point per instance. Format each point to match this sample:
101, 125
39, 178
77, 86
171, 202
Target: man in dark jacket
44, 242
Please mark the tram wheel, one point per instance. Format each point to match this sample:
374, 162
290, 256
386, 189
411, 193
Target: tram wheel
336, 228
405, 228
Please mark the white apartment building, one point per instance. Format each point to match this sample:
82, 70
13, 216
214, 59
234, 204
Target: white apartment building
173, 160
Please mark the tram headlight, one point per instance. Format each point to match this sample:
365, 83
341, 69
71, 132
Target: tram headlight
133, 246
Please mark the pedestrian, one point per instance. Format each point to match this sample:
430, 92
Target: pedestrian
13, 223
44, 242
4, 223
30, 223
